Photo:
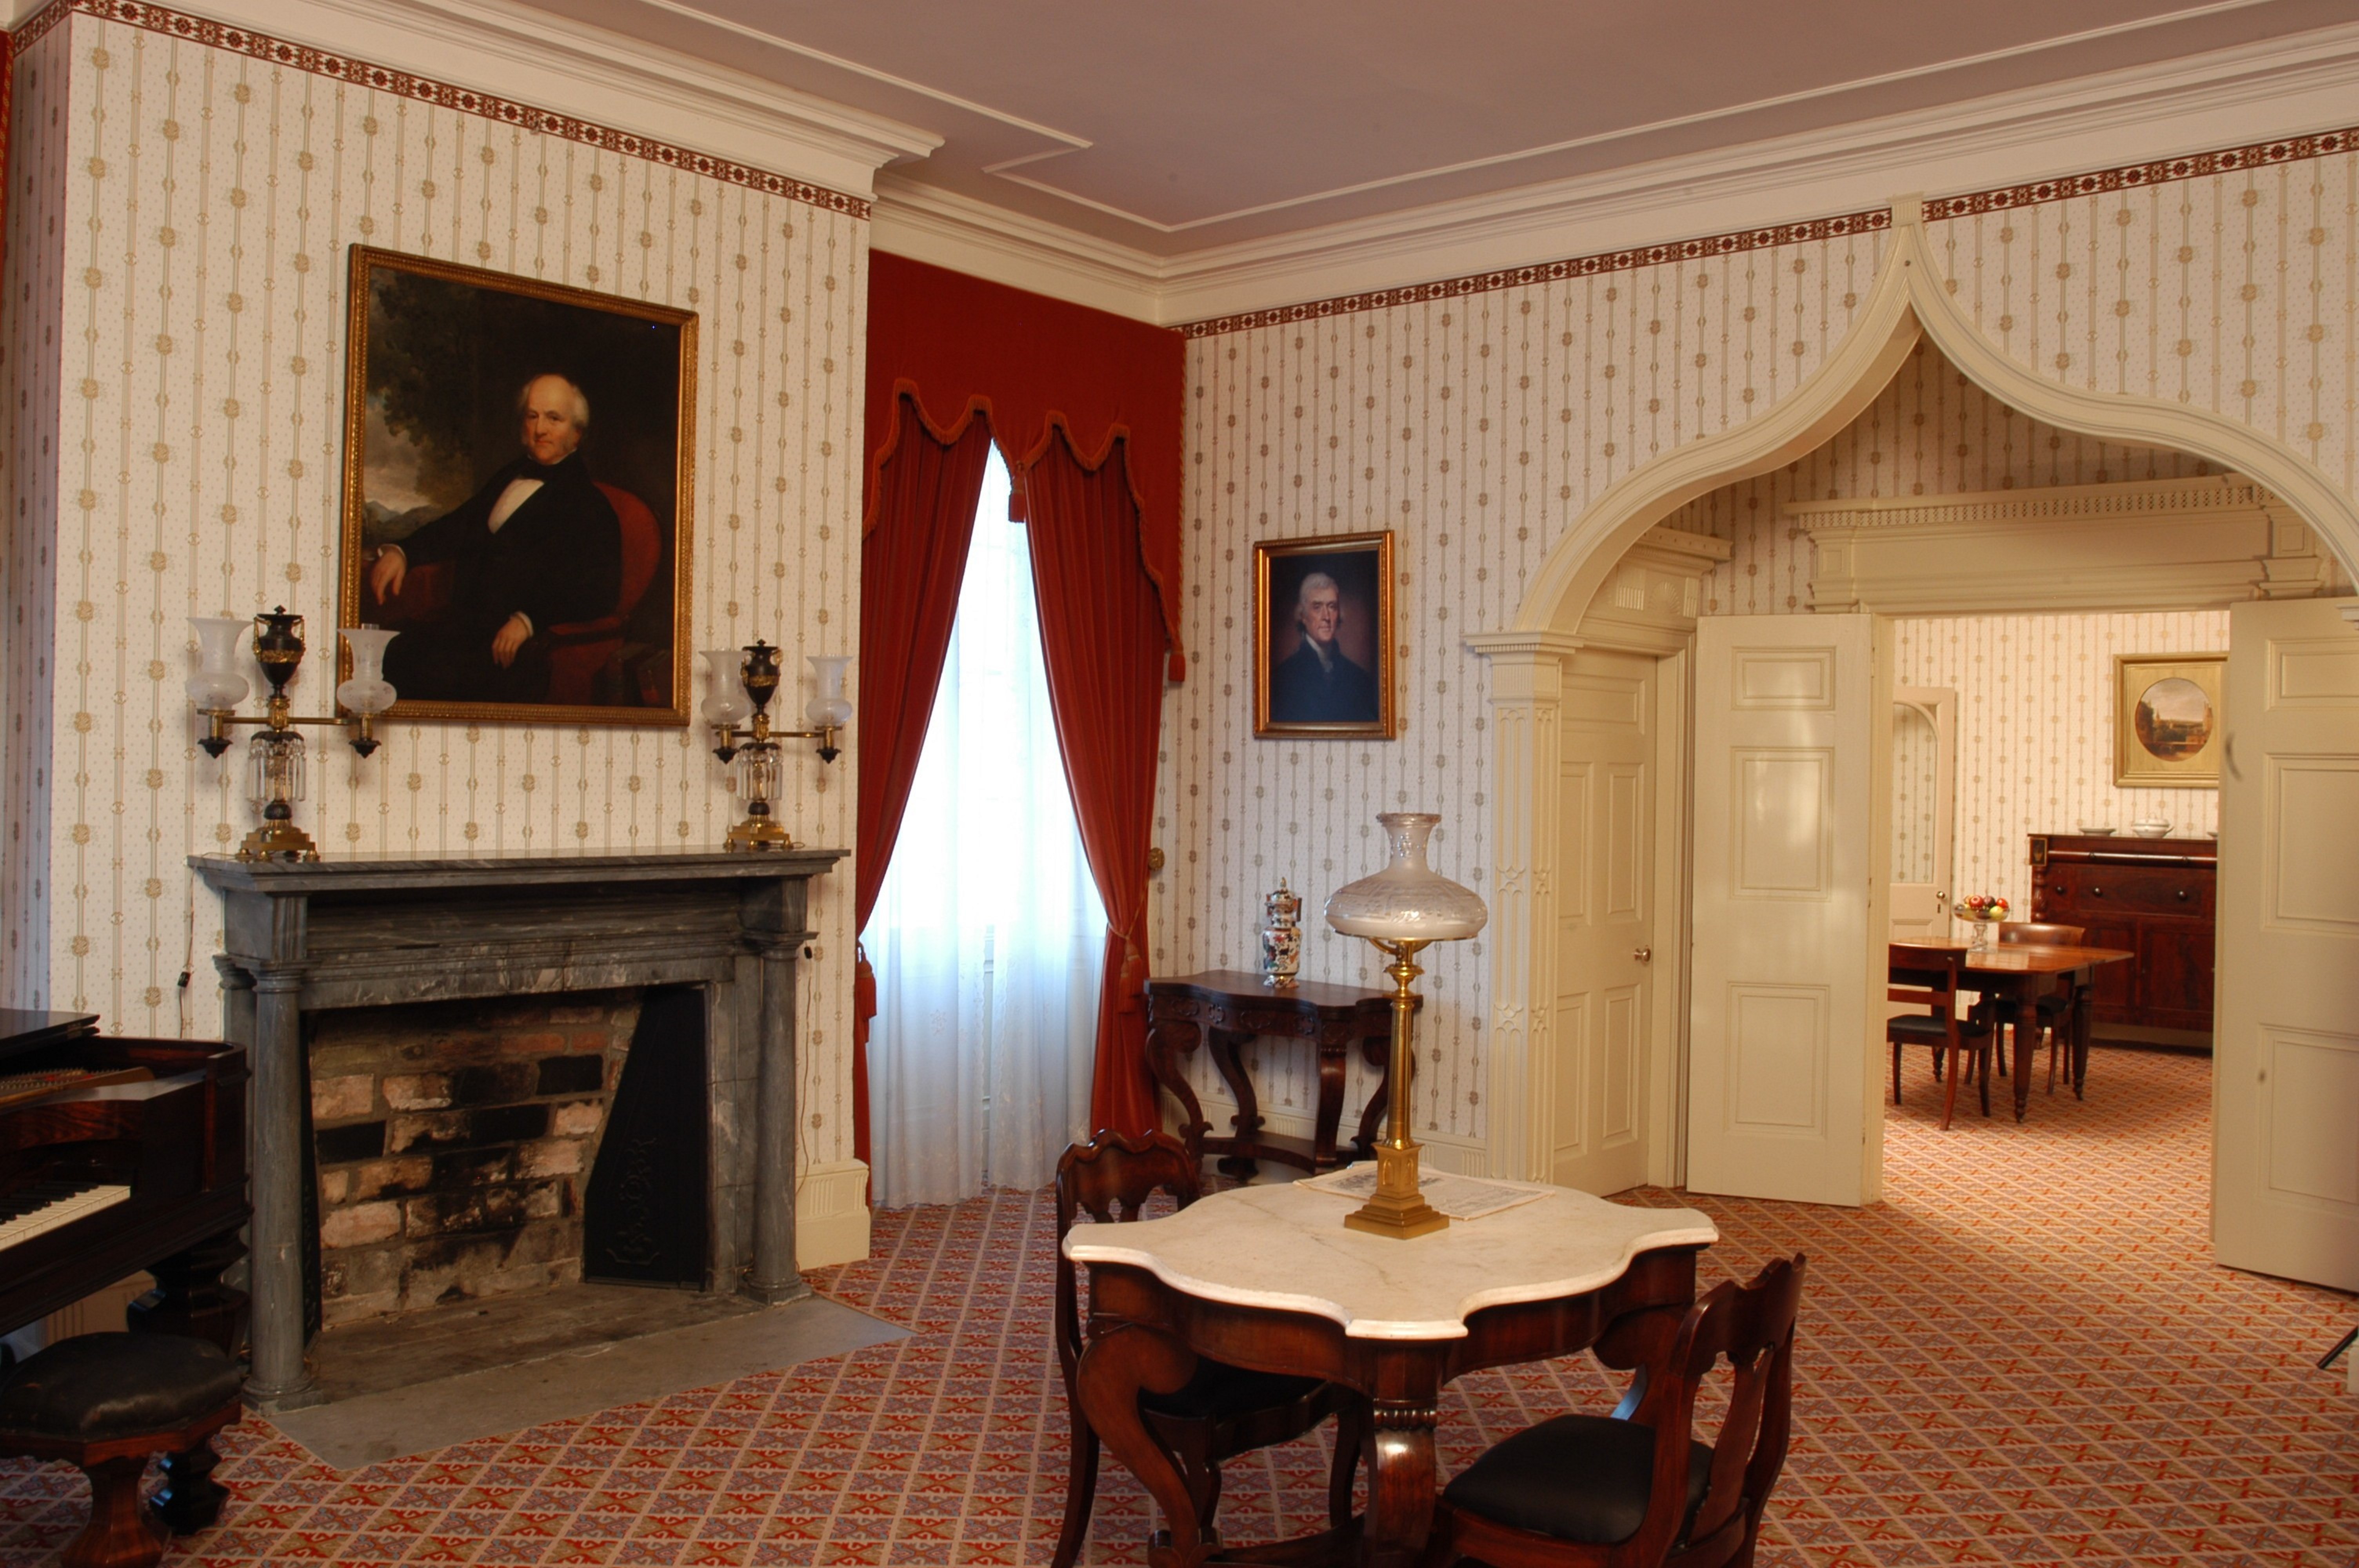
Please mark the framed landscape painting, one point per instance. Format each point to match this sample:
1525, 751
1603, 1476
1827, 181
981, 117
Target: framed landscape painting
1324, 637
2166, 720
518, 494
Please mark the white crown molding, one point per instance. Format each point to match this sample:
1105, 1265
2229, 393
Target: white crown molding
551, 62
2224, 98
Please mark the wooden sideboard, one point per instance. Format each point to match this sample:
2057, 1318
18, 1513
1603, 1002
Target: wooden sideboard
2154, 897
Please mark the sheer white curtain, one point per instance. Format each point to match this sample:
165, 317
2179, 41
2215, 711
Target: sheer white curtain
988, 935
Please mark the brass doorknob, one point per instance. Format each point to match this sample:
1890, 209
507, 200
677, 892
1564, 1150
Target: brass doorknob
1643, 954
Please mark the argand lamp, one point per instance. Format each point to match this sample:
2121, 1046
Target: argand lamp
1402, 909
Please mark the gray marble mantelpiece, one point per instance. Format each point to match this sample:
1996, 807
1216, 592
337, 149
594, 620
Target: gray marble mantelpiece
303, 937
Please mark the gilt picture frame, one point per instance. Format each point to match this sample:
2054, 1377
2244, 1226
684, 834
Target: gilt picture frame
2167, 721
519, 495
1323, 638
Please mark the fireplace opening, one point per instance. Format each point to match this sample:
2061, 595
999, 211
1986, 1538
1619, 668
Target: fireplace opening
455, 1144
644, 1222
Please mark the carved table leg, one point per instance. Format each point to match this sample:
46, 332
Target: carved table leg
1334, 1051
1168, 1040
1400, 1483
2027, 1039
189, 1499
1226, 1045
119, 1534
2079, 1015
1377, 1052
1116, 1367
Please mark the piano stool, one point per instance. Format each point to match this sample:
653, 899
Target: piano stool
109, 1401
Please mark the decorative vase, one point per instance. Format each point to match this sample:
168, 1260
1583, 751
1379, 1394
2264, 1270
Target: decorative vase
1281, 936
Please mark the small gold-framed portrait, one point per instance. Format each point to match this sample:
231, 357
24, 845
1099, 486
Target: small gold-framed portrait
2166, 720
519, 458
1323, 638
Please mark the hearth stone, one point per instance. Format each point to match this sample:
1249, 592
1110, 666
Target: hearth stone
348, 933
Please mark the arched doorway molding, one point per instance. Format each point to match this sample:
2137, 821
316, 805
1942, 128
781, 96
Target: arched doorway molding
1909, 302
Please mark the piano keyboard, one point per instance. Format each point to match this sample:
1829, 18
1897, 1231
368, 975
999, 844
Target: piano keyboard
42, 1207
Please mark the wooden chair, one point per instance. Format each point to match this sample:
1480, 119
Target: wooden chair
2056, 1013
1223, 1410
1931, 977
1634, 1489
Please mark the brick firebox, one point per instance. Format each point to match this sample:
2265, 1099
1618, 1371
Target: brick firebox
455, 1141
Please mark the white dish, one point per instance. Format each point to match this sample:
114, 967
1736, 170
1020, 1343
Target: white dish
2088, 832
2149, 831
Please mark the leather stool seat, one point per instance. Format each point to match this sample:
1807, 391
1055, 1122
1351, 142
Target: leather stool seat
108, 1404
96, 1386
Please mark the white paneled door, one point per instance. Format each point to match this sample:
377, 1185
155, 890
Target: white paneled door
2285, 1065
1792, 815
1596, 1083
1924, 810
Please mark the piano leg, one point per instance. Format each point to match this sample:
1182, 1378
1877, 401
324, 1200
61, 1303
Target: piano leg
189, 1297
189, 1499
118, 1534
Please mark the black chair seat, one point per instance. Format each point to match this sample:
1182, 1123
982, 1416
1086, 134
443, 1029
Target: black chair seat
1577, 1477
1926, 1028
95, 1387
1217, 1391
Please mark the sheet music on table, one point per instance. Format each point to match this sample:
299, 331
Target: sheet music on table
1459, 1197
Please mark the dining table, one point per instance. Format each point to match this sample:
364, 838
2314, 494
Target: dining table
2012, 978
1268, 1278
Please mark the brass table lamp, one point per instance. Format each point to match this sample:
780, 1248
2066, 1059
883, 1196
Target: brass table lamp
1403, 909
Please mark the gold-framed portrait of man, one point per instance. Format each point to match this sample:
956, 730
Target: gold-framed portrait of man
1323, 638
518, 495
2166, 720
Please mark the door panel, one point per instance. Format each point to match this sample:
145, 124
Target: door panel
1605, 862
1924, 810
2285, 1075
1792, 854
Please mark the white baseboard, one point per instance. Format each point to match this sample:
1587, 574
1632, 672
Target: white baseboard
1444, 1151
831, 1214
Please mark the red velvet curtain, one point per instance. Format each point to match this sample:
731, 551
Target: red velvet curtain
1101, 637
912, 558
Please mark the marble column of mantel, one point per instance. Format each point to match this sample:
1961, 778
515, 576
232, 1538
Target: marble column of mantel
301, 937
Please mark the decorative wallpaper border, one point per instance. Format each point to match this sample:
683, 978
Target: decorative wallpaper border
1550, 272
441, 94
2161, 171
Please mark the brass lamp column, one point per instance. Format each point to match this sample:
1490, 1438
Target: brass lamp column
1402, 910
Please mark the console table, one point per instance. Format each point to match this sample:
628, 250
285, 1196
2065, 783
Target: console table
1228, 1009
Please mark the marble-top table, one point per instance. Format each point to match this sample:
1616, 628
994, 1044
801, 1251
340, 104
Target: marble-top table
1267, 1277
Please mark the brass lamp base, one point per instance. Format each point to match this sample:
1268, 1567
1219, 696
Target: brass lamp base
758, 833
1396, 1208
278, 841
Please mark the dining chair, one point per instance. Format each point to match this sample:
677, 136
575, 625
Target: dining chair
1221, 1411
1931, 978
1636, 1489
2056, 1012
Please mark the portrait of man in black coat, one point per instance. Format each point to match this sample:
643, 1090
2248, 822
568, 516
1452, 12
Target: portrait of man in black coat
538, 545
1319, 683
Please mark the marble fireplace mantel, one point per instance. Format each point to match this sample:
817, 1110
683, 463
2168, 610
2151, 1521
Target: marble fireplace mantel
303, 937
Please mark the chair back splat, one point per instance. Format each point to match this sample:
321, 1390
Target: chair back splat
1110, 1178
1753, 1330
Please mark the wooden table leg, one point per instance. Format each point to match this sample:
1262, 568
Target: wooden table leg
2027, 1040
1227, 1044
1116, 1368
2079, 1015
1168, 1040
1332, 1055
1377, 1053
1400, 1481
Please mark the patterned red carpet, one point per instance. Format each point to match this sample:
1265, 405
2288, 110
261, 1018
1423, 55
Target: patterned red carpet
2021, 1357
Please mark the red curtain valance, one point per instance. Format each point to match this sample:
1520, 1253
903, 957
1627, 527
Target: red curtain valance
956, 343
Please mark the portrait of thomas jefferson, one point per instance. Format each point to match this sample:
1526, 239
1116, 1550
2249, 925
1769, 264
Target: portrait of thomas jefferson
538, 545
516, 495
1324, 639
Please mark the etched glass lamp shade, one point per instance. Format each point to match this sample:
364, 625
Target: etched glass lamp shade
217, 687
369, 692
726, 703
831, 708
1408, 901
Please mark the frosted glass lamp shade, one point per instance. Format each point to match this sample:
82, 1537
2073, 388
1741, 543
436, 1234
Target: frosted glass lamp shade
830, 708
217, 687
725, 701
1408, 901
368, 691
